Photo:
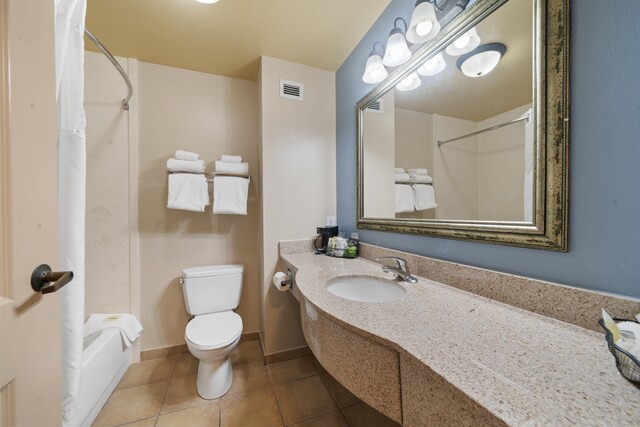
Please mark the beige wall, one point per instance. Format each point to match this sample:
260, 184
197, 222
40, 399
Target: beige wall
380, 160
501, 166
455, 169
107, 288
211, 115
414, 148
298, 151
414, 139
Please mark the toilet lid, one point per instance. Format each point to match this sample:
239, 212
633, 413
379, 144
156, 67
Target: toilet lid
214, 330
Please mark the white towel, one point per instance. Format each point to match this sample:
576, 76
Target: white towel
424, 197
195, 166
404, 198
399, 170
231, 159
402, 177
127, 324
233, 168
188, 192
186, 155
420, 179
230, 195
418, 171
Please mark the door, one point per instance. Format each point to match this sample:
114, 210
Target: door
29, 321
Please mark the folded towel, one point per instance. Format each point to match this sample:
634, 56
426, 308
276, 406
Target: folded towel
195, 166
424, 197
188, 192
233, 168
127, 324
402, 177
186, 155
404, 198
418, 171
399, 170
231, 159
420, 179
230, 195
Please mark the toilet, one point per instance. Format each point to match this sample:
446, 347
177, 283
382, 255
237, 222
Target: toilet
211, 293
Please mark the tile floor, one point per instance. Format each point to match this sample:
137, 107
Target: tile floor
162, 392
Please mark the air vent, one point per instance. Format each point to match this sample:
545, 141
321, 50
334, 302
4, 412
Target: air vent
291, 90
375, 107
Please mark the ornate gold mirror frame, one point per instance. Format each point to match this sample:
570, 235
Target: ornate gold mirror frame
551, 106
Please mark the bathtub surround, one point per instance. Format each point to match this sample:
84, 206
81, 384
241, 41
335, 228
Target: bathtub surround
440, 348
298, 187
603, 230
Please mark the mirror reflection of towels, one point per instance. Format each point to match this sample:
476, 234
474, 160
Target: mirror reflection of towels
404, 198
424, 196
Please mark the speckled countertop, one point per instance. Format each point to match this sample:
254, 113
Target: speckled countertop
524, 368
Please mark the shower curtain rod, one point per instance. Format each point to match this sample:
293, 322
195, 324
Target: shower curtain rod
519, 119
125, 102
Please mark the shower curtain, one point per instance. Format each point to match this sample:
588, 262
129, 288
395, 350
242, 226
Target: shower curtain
69, 50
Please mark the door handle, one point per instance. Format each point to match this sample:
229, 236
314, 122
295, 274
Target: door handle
42, 278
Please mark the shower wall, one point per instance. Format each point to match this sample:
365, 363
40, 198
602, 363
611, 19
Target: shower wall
108, 232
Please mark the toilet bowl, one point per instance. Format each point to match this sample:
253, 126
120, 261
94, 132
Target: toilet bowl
210, 294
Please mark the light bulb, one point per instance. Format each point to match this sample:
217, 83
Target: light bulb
433, 66
374, 70
409, 83
465, 43
207, 1
423, 28
397, 52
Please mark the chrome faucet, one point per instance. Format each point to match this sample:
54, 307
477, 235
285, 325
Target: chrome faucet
401, 270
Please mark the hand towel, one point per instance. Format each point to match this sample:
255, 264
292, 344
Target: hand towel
402, 177
404, 198
195, 166
186, 155
188, 192
230, 195
231, 159
399, 170
127, 324
418, 171
232, 168
420, 179
424, 197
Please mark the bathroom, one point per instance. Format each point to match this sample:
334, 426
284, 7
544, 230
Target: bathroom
206, 79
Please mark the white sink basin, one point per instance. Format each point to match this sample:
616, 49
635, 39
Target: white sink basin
366, 289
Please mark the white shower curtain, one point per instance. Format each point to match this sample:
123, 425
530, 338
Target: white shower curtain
69, 43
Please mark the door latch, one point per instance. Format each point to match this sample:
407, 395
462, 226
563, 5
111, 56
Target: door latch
45, 281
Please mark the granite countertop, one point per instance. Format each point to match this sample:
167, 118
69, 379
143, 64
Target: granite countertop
525, 368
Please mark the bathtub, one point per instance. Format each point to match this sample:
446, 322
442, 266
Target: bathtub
105, 359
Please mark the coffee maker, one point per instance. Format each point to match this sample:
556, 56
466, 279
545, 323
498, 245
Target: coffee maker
324, 233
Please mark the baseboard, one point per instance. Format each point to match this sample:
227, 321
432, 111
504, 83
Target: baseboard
182, 348
282, 356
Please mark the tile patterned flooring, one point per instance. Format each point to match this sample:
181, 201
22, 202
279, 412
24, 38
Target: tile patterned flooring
299, 392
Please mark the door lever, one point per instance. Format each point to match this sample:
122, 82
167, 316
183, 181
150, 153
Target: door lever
42, 278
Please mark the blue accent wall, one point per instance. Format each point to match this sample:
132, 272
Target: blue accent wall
604, 223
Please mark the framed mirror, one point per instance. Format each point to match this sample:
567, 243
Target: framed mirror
469, 139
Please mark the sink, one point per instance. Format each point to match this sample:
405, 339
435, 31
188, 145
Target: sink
366, 289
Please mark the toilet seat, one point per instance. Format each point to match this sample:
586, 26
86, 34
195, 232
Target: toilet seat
215, 330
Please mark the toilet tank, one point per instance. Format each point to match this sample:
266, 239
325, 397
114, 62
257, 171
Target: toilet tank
212, 288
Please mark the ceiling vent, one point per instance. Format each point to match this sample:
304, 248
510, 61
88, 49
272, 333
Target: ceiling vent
375, 106
291, 90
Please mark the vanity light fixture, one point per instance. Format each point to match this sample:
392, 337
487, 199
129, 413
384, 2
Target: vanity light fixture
374, 71
423, 25
397, 52
482, 60
465, 43
409, 83
433, 66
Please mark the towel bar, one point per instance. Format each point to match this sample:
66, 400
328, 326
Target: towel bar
211, 175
